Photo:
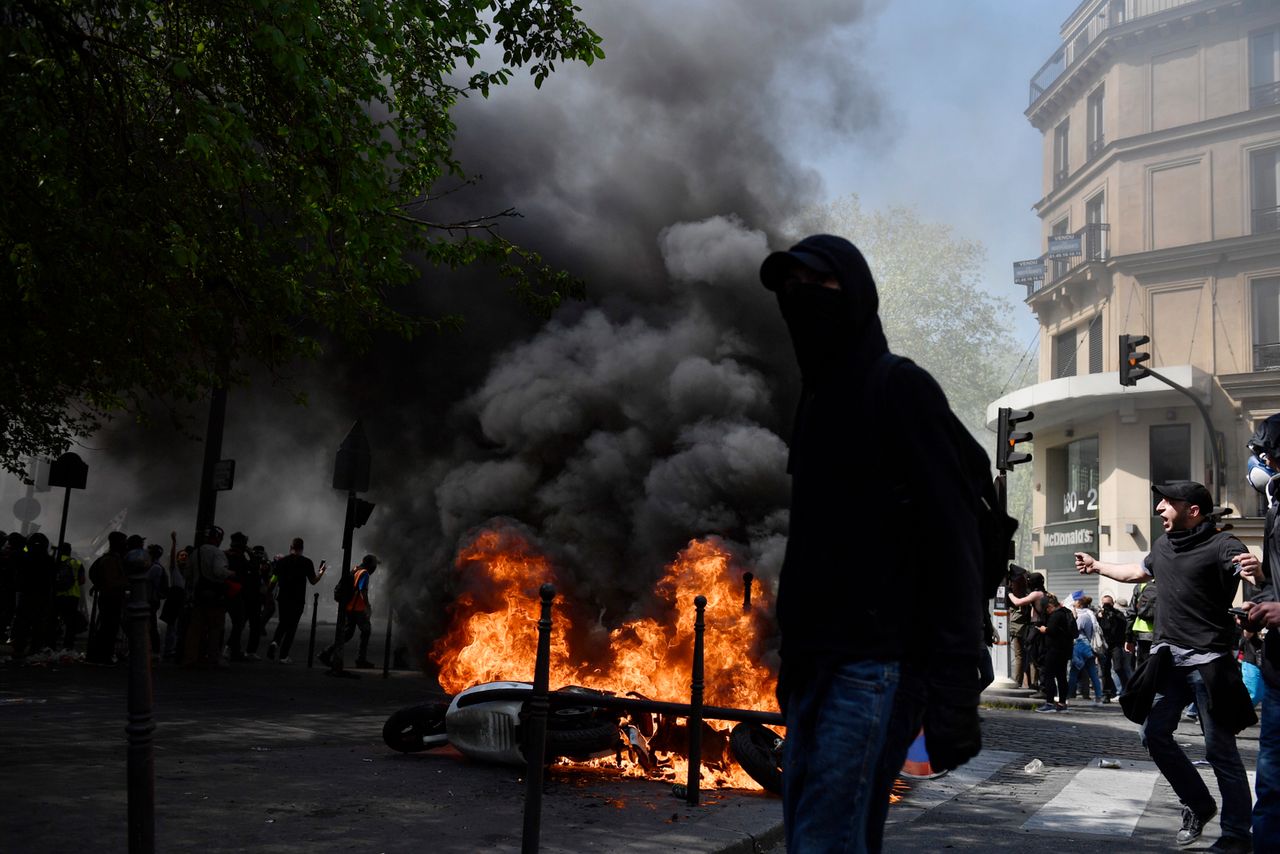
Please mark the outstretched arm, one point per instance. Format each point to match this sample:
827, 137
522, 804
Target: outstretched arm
1128, 572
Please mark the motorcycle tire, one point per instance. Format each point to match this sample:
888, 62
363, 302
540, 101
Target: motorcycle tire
582, 742
416, 728
758, 750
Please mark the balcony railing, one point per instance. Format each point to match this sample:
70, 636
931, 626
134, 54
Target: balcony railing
1266, 357
1060, 177
1266, 95
1096, 145
1266, 220
1094, 246
1102, 17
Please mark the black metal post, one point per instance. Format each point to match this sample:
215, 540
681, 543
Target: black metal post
335, 666
311, 644
535, 742
212, 453
386, 647
141, 761
62, 529
1218, 473
747, 578
695, 705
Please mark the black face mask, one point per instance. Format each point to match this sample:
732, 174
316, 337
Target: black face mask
816, 317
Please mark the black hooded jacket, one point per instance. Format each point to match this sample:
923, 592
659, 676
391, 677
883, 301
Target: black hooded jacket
883, 556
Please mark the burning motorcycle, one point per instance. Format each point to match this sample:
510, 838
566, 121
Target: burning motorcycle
485, 722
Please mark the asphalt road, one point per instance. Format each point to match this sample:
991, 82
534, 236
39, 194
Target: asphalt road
264, 757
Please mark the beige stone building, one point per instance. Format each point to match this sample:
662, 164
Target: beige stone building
1160, 209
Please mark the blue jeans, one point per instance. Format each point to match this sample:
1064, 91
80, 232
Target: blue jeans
1266, 812
1183, 685
848, 730
1082, 658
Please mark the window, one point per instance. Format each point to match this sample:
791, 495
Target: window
1264, 181
1072, 472
1264, 69
1095, 228
1266, 323
1064, 354
1095, 345
1097, 137
1061, 167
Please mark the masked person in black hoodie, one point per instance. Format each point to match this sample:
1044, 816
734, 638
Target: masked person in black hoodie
1265, 613
857, 680
1198, 569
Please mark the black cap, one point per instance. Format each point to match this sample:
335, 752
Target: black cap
369, 562
135, 541
774, 270
117, 537
1186, 490
239, 538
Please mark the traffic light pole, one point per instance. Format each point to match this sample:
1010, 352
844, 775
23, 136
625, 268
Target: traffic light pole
1208, 426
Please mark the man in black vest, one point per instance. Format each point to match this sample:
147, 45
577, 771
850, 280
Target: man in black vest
1198, 569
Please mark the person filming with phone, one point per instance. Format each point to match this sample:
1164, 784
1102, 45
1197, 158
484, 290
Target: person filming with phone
1192, 658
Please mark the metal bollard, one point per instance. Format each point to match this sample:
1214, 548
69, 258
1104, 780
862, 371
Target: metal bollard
386, 647
141, 759
311, 644
695, 705
747, 578
535, 744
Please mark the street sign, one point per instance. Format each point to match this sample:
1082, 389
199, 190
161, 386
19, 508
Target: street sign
1064, 246
224, 475
26, 509
69, 471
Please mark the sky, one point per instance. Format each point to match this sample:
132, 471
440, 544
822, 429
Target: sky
654, 411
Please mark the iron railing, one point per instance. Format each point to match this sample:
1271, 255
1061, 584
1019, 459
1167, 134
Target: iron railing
1266, 357
1103, 17
1060, 177
1094, 247
1266, 220
1266, 95
1096, 145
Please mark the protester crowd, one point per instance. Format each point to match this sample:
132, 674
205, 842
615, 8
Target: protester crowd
208, 605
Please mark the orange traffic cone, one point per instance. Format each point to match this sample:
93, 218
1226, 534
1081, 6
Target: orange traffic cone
917, 766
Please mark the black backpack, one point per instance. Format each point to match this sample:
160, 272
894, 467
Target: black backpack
345, 588
995, 527
1144, 608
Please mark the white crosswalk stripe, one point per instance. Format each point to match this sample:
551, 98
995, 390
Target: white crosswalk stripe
927, 794
1105, 801
1096, 801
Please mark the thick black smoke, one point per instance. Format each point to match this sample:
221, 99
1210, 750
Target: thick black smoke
652, 413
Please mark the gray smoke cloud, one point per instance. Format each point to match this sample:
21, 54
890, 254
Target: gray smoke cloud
653, 413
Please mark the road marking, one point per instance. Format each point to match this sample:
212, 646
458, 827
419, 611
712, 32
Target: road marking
1107, 801
927, 794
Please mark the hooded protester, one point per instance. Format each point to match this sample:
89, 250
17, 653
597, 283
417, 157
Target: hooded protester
1264, 612
109, 579
32, 627
856, 680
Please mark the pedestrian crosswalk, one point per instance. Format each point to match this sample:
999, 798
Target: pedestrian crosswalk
1102, 796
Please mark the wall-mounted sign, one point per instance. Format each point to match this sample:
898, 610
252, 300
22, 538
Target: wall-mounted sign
1028, 271
1064, 246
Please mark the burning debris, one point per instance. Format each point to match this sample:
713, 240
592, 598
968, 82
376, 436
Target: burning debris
492, 636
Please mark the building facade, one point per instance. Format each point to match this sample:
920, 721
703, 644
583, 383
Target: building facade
1160, 210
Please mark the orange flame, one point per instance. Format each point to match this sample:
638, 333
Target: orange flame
493, 635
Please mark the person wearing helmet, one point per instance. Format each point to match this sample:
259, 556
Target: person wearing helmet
1264, 612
